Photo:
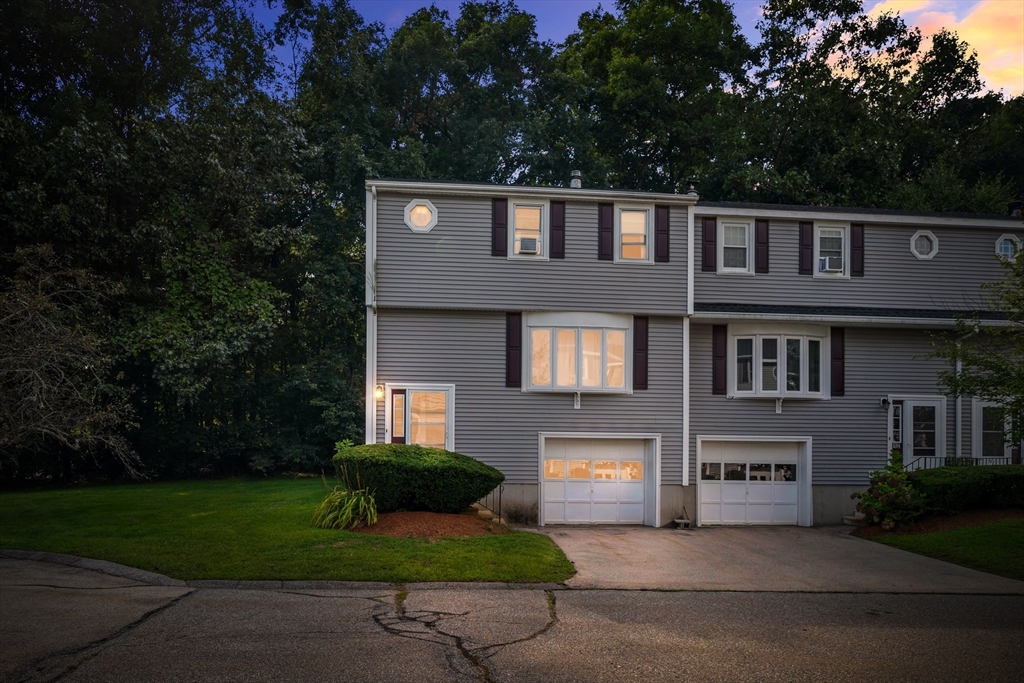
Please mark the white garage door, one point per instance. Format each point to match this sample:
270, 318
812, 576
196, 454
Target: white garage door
588, 481
745, 482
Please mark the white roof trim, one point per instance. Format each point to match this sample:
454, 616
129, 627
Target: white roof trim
874, 321
840, 215
467, 190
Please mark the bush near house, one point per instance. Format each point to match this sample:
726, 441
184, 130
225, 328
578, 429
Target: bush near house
890, 498
949, 490
406, 477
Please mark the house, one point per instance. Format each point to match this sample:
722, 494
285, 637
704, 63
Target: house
626, 356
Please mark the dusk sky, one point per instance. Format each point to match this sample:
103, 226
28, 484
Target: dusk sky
995, 28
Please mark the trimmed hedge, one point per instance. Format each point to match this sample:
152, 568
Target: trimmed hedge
949, 490
405, 477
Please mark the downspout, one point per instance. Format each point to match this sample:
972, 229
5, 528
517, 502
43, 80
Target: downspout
371, 314
686, 346
959, 414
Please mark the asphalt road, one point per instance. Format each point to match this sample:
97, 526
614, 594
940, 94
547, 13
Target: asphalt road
71, 623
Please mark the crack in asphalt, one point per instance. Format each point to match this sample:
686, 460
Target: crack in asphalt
425, 625
40, 670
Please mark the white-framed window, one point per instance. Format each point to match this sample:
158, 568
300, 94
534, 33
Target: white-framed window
634, 234
735, 251
1007, 246
420, 414
989, 423
924, 245
528, 229
585, 352
777, 361
420, 215
831, 250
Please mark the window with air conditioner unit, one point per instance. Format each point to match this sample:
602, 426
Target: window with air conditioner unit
528, 229
831, 251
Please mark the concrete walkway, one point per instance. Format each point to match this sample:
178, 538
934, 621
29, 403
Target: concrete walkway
824, 559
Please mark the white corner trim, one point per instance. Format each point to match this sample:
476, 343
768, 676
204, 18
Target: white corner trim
408, 215
935, 245
371, 374
690, 217
686, 401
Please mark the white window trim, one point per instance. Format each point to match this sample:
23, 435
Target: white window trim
545, 228
578, 321
433, 212
845, 227
648, 232
720, 247
1004, 236
977, 405
449, 409
935, 245
907, 422
757, 332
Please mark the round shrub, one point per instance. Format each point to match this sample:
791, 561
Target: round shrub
406, 477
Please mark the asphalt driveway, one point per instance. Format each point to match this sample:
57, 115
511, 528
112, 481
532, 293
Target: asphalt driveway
779, 558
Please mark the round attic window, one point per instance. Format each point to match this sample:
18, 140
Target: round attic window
924, 245
420, 215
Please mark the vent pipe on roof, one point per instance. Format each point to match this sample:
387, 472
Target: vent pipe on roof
692, 186
576, 180
1015, 208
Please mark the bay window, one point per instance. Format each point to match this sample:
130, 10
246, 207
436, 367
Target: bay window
578, 352
776, 361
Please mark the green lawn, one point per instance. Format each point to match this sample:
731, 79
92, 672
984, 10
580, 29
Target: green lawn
996, 548
245, 529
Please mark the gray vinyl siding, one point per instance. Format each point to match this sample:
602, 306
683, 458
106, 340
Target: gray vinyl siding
452, 267
893, 276
499, 425
849, 433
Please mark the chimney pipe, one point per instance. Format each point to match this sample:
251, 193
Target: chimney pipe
692, 186
1015, 208
576, 180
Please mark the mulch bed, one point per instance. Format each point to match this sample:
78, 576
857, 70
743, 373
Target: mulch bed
942, 523
432, 525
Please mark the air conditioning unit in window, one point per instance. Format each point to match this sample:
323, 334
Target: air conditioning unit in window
528, 245
830, 264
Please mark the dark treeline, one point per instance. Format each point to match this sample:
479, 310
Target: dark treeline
181, 264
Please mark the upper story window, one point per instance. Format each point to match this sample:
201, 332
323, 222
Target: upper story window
578, 352
735, 239
420, 215
1007, 246
777, 362
634, 230
529, 234
924, 245
831, 251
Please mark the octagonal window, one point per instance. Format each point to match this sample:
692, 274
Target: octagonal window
924, 245
420, 215
1007, 246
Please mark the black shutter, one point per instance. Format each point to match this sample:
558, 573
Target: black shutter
605, 213
838, 361
513, 349
640, 352
857, 250
719, 339
499, 227
661, 234
806, 248
709, 253
557, 230
761, 246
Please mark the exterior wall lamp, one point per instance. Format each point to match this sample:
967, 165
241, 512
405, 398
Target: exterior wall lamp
378, 392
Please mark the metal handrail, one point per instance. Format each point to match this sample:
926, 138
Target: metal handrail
928, 462
488, 501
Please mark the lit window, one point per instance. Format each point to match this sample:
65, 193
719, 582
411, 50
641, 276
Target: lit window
1007, 246
776, 365
735, 251
420, 215
578, 357
924, 245
529, 229
633, 234
422, 415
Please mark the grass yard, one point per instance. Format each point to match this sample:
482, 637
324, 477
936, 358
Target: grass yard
995, 547
246, 529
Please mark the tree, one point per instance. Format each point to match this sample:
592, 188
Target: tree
991, 357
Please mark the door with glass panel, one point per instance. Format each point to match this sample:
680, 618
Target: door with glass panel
419, 417
923, 432
594, 481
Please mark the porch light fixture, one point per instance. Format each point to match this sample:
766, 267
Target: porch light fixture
378, 392
884, 402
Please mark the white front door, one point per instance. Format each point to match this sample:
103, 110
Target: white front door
918, 430
743, 482
594, 481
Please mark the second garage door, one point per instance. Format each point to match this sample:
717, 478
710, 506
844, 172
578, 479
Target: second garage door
594, 481
743, 482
